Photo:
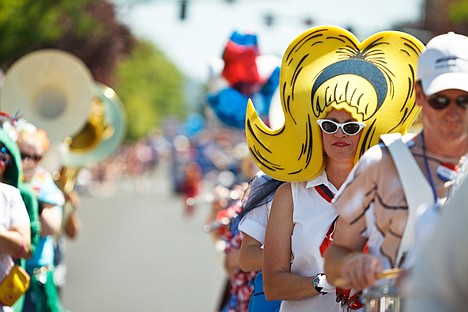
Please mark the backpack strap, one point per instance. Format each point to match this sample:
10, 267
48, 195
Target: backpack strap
415, 186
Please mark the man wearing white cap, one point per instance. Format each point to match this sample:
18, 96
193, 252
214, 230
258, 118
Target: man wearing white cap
377, 204
438, 280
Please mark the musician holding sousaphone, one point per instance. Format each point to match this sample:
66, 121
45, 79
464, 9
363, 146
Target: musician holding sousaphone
378, 202
42, 292
84, 123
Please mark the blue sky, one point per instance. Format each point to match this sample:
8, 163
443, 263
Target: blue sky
195, 42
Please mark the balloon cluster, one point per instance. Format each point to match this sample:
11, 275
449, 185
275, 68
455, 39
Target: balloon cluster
242, 73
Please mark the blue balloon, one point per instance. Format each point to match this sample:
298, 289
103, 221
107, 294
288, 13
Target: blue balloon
230, 105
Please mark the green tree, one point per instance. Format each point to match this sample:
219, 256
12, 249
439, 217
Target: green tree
28, 25
150, 88
458, 14
88, 29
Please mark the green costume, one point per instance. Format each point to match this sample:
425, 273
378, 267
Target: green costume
12, 176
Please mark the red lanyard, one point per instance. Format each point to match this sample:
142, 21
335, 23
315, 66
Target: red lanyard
328, 195
325, 192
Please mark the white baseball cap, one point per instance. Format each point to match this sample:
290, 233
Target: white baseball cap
443, 64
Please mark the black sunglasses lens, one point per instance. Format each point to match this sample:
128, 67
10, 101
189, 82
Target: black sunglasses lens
329, 127
439, 102
32, 157
462, 101
351, 128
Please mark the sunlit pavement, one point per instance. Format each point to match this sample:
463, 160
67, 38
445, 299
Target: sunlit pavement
137, 252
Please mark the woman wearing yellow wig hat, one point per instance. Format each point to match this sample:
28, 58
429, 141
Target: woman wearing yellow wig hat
338, 96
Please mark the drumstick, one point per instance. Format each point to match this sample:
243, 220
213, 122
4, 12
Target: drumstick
389, 273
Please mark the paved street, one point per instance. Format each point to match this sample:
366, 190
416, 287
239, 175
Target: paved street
137, 252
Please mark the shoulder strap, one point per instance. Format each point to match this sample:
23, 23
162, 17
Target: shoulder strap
415, 186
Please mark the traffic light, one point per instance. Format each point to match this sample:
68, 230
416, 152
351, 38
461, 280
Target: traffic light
269, 19
183, 9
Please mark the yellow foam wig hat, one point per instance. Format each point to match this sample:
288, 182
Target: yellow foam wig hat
328, 68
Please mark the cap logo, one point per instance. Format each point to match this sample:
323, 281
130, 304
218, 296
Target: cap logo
449, 61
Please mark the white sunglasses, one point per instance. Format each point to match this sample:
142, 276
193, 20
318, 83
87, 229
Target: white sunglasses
349, 128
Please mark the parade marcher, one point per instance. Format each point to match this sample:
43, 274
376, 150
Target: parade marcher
376, 204
11, 174
338, 97
15, 224
42, 294
303, 209
252, 224
71, 227
15, 234
240, 284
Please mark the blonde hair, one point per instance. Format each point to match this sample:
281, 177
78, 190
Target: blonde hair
28, 132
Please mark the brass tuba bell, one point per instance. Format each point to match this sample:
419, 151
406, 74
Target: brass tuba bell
50, 88
101, 135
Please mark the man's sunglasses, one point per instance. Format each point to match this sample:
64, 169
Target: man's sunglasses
441, 101
349, 128
34, 157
